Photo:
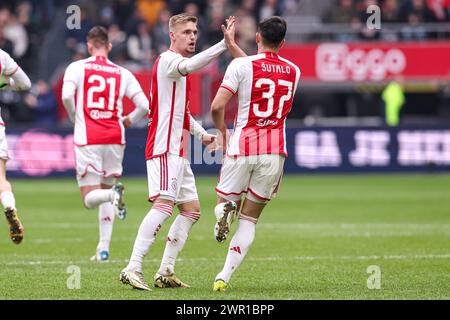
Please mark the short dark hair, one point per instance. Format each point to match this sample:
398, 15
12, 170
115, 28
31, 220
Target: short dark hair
273, 31
98, 35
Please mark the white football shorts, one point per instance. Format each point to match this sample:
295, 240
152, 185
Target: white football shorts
3, 144
98, 163
258, 176
170, 177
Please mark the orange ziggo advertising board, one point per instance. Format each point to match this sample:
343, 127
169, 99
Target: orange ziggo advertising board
356, 62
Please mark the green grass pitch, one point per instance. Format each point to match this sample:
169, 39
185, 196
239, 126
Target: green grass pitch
314, 241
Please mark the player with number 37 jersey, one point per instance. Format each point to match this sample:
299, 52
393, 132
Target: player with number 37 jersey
265, 84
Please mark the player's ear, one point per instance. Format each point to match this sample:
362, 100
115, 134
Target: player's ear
258, 38
89, 47
282, 44
109, 46
172, 35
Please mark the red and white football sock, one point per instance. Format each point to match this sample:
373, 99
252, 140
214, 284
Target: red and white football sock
176, 239
239, 246
105, 222
96, 197
147, 233
8, 200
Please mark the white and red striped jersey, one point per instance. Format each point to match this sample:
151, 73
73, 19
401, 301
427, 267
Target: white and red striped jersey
100, 88
265, 84
169, 125
7, 68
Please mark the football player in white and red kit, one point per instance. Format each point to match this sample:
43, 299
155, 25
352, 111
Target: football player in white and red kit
253, 165
170, 178
11, 77
93, 93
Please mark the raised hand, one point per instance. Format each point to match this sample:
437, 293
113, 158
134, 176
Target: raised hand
229, 31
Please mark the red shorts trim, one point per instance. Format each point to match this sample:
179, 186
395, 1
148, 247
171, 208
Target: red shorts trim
103, 172
151, 198
231, 193
257, 195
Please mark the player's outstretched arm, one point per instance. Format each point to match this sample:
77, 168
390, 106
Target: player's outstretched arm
228, 34
200, 60
223, 96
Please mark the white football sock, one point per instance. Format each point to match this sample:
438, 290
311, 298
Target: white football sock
96, 197
147, 234
239, 246
8, 200
176, 239
105, 222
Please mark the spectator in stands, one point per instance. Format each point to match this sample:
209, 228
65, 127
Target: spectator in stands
344, 12
413, 30
123, 12
150, 10
107, 17
5, 44
419, 8
42, 102
118, 40
390, 11
161, 39
139, 44
15, 32
268, 9
215, 14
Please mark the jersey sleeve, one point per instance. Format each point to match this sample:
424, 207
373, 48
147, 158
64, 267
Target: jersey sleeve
71, 74
9, 66
173, 66
231, 78
133, 88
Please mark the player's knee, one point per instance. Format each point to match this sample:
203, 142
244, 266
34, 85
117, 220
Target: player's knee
192, 215
163, 207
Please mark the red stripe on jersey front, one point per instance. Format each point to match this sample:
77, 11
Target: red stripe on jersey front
272, 94
172, 109
153, 116
184, 143
101, 93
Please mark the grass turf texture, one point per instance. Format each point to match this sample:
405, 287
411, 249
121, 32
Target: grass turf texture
314, 241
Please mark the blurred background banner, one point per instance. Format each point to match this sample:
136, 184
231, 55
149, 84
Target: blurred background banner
370, 61
45, 153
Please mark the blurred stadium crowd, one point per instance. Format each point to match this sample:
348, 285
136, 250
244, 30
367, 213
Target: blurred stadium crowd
34, 33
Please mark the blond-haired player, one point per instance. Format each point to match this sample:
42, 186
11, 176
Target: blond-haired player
170, 178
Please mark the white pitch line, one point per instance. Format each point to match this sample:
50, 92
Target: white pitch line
275, 258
